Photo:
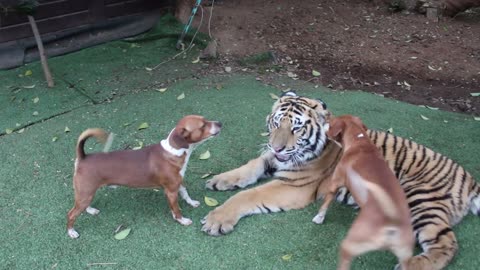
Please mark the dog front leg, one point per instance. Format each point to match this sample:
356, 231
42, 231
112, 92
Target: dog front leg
320, 217
172, 198
184, 194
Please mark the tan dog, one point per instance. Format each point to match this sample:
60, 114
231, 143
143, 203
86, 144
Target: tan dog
384, 219
159, 165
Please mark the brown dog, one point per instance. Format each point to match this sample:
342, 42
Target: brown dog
158, 165
384, 218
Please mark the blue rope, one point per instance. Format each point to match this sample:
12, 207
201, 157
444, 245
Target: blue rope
187, 26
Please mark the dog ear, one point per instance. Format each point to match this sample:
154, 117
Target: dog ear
335, 129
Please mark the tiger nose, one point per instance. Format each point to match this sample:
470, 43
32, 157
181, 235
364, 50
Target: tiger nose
278, 148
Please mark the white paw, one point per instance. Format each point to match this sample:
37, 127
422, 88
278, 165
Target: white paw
194, 203
73, 234
184, 221
319, 218
92, 211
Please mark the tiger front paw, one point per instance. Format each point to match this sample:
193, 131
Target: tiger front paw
218, 222
223, 182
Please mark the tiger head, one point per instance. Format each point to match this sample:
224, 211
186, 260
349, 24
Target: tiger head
296, 129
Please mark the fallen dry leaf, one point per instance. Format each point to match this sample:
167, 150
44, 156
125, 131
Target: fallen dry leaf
196, 60
264, 134
205, 176
28, 73
21, 130
29, 86
54, 139
205, 155
162, 90
181, 96
287, 257
476, 118
67, 129
140, 146
390, 130
149, 69
273, 96
35, 113
122, 234
143, 125
36, 100
423, 117
210, 201
475, 94
8, 131
315, 73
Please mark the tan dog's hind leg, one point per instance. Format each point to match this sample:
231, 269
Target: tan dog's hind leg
274, 196
361, 238
240, 177
83, 198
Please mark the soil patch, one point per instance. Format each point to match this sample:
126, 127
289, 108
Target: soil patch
359, 45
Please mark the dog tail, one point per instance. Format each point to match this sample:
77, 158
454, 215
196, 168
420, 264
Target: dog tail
362, 186
100, 134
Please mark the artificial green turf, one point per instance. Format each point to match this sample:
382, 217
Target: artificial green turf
36, 189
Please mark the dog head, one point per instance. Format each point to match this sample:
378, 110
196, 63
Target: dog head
337, 126
193, 129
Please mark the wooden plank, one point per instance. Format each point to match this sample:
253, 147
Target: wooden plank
46, 10
45, 26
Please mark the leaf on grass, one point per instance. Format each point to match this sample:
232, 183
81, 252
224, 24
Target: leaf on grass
162, 90
476, 118
205, 155
273, 96
205, 176
8, 131
431, 108
264, 134
122, 234
287, 257
475, 94
196, 60
126, 124
140, 146
36, 100
149, 69
28, 72
445, 121
424, 117
54, 139
315, 73
210, 201
390, 130
21, 130
35, 113
181, 96
67, 130
143, 125
29, 86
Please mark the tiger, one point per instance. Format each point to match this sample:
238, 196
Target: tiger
300, 160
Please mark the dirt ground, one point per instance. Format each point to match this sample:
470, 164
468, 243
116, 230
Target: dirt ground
358, 45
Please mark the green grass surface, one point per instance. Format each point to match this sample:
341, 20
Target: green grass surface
36, 189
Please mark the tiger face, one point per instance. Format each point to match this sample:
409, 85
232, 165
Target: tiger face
296, 129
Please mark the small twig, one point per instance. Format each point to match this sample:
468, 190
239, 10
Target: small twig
106, 263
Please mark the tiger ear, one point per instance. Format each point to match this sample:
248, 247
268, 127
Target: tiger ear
290, 93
